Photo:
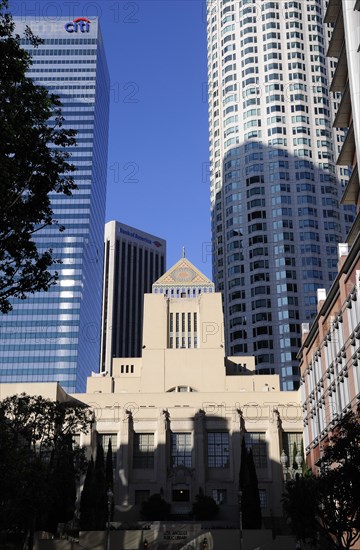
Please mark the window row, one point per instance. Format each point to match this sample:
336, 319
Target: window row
181, 449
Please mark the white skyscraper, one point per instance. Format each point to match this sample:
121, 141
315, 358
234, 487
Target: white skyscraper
275, 187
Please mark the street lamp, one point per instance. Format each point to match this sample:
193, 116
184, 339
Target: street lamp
293, 472
110, 496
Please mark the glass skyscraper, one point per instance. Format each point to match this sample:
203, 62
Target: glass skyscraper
55, 335
275, 186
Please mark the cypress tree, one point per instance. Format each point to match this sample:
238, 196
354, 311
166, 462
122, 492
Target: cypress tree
248, 485
62, 485
109, 474
87, 499
254, 497
294, 453
100, 490
244, 482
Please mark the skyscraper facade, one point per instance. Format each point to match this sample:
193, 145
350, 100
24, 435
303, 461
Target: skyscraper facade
344, 45
275, 187
55, 335
133, 261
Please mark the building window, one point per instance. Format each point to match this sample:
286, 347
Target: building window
141, 495
257, 443
143, 456
292, 444
103, 439
181, 449
219, 495
218, 449
263, 498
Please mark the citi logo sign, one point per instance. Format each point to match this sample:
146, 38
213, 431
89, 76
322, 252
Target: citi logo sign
81, 24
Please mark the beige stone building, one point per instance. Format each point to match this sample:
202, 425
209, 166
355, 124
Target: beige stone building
176, 415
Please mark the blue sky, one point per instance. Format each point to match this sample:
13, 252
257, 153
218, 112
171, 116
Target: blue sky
158, 142
161, 139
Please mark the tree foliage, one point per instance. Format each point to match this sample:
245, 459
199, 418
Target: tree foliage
248, 485
204, 507
156, 508
61, 504
34, 163
100, 489
294, 453
331, 517
109, 475
94, 505
38, 462
109, 471
87, 514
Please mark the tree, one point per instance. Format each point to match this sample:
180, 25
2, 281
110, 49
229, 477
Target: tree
87, 517
34, 154
204, 507
38, 465
61, 504
100, 490
248, 485
109, 472
253, 498
294, 453
300, 505
109, 475
94, 500
331, 517
155, 509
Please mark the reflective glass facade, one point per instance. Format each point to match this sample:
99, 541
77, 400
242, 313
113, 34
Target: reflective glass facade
275, 186
55, 336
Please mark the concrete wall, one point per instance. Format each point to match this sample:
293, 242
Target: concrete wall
222, 539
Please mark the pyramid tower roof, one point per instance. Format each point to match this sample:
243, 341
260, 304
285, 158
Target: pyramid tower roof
184, 274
